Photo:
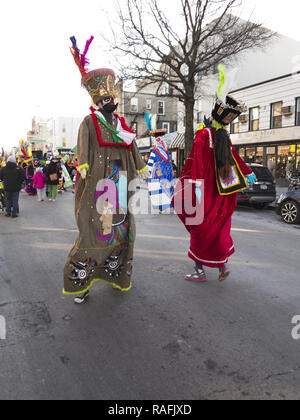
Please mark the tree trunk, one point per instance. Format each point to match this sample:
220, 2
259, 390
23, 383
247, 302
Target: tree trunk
189, 126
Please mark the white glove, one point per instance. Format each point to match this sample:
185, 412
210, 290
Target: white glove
144, 175
83, 173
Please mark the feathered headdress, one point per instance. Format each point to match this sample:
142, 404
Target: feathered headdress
226, 109
80, 59
151, 121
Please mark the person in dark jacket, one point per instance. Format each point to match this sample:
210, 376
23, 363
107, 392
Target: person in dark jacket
13, 178
52, 174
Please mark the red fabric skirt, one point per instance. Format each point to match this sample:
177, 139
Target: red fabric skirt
212, 244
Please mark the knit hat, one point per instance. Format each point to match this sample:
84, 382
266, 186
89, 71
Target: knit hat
12, 159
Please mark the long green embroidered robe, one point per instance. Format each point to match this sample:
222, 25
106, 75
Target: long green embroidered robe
104, 248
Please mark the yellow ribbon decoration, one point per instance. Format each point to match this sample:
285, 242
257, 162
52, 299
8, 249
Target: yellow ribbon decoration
222, 80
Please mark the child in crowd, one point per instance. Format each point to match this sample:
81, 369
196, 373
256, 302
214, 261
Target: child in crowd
39, 182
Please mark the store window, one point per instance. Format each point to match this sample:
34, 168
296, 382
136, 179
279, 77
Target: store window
250, 154
254, 119
259, 155
285, 161
298, 111
242, 152
276, 115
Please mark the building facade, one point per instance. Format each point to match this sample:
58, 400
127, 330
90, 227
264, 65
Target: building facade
65, 132
269, 133
257, 76
134, 104
53, 133
40, 135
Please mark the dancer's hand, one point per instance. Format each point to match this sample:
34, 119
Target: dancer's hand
251, 179
144, 175
83, 173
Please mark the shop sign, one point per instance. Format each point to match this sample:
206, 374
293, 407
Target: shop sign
284, 150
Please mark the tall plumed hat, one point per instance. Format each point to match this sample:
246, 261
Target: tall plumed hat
226, 109
151, 121
99, 83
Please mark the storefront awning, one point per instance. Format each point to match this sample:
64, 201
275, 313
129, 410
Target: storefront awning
178, 142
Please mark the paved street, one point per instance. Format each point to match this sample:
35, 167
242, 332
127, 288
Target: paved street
167, 338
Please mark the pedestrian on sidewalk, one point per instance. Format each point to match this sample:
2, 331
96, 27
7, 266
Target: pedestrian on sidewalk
39, 182
13, 178
211, 179
52, 179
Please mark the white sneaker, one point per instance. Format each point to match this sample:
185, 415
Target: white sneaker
81, 299
50, 199
53, 199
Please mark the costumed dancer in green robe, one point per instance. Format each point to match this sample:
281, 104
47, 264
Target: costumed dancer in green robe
108, 162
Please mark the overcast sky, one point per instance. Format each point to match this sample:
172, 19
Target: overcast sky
38, 74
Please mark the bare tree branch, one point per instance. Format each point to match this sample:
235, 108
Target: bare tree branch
162, 54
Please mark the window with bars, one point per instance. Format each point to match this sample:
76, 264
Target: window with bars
134, 105
161, 108
298, 111
276, 115
148, 104
254, 119
134, 127
166, 126
235, 127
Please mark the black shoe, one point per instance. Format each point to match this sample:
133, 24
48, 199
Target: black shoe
7, 215
81, 299
14, 217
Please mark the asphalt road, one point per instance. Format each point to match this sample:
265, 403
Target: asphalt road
167, 338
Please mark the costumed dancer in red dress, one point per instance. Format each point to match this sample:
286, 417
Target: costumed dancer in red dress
211, 179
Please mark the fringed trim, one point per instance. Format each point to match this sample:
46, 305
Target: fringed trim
97, 280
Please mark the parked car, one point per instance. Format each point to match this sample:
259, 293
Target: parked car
294, 184
263, 192
288, 207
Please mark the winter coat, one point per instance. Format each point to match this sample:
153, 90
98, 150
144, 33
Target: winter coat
12, 177
52, 170
39, 180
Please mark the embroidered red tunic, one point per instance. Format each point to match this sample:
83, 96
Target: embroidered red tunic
211, 241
